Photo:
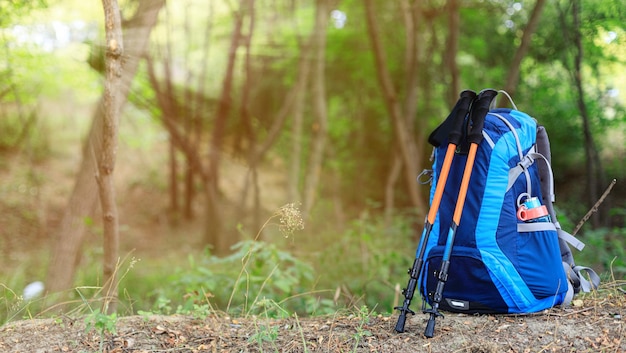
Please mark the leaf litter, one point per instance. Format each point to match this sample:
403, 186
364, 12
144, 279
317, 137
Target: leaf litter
595, 325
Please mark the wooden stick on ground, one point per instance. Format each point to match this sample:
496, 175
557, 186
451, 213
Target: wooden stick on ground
594, 209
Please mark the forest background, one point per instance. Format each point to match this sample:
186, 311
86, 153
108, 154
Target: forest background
268, 150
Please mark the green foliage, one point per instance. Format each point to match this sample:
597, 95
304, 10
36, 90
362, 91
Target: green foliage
239, 283
364, 315
359, 268
264, 333
367, 260
605, 251
10, 302
14, 9
101, 322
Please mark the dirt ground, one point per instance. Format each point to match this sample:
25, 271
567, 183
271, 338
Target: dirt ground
591, 325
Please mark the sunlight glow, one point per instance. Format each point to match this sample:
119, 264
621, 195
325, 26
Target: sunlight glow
339, 18
54, 35
610, 37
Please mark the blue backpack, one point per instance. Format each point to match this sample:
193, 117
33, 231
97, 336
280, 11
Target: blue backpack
510, 254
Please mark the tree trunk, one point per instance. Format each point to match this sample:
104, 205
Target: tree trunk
452, 46
512, 77
188, 147
189, 190
106, 187
410, 156
319, 108
304, 69
412, 20
390, 186
197, 107
412, 16
173, 177
83, 200
187, 113
293, 104
248, 133
213, 229
593, 167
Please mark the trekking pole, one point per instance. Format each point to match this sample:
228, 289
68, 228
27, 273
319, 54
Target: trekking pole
455, 123
480, 108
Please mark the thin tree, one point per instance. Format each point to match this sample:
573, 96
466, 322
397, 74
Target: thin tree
247, 126
299, 91
411, 18
213, 229
452, 46
293, 106
196, 105
179, 139
84, 198
407, 146
113, 63
316, 157
186, 109
594, 168
594, 173
512, 77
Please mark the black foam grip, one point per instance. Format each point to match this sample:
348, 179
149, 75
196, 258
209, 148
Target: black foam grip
480, 108
452, 127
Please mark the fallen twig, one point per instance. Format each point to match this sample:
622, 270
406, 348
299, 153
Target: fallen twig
570, 313
594, 209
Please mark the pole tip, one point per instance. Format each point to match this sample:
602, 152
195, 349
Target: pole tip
430, 328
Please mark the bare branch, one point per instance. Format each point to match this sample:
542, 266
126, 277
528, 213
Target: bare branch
594, 209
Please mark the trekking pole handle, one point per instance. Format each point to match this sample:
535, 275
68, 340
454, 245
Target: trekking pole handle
452, 126
480, 108
465, 100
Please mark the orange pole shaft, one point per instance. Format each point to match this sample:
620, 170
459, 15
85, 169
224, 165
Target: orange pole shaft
465, 183
441, 184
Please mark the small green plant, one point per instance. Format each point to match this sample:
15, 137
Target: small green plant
318, 305
197, 305
304, 345
163, 306
11, 302
102, 323
363, 315
270, 308
145, 315
264, 333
